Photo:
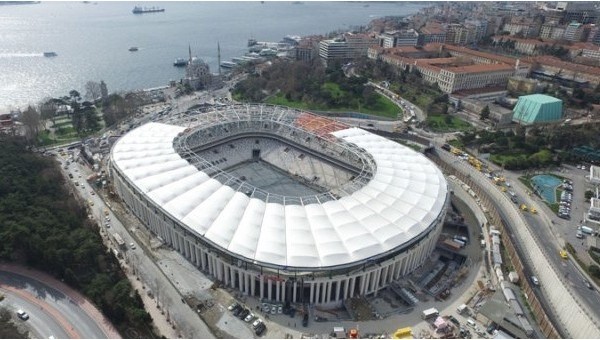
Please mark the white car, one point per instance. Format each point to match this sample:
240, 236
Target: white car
249, 318
256, 323
131, 245
22, 315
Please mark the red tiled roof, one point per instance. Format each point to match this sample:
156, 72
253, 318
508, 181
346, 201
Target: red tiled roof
555, 62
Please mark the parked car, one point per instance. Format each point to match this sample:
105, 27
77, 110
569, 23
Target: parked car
587, 284
249, 317
256, 323
22, 315
273, 309
260, 329
243, 314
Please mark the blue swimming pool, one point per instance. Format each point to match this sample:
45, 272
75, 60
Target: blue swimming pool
545, 186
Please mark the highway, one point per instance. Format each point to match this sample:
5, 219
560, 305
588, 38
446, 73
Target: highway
51, 312
541, 257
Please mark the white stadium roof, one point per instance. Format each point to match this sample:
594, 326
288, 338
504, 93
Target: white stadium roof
403, 199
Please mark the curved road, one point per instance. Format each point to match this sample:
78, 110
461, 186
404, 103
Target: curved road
54, 308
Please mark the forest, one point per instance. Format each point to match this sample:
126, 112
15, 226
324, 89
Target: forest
45, 227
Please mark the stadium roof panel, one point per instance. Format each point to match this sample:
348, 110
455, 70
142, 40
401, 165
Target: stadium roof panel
405, 196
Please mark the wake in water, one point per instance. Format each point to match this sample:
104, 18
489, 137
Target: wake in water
20, 55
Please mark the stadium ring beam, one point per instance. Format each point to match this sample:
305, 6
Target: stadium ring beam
376, 224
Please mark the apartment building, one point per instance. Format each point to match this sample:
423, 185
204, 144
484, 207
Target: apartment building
408, 37
432, 33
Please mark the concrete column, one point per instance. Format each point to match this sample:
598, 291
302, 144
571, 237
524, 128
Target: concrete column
337, 290
202, 260
312, 292
294, 291
384, 275
377, 280
317, 291
252, 285
241, 287
270, 289
247, 284
346, 284
210, 265
262, 287
363, 280
219, 269
277, 290
327, 292
226, 274
283, 289
352, 287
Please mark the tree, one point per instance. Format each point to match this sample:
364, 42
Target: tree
93, 90
75, 96
31, 120
103, 90
485, 113
48, 108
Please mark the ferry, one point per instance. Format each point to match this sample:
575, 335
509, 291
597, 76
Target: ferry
133, 49
228, 64
141, 10
50, 54
180, 62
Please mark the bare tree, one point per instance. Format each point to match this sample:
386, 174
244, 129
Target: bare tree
92, 90
31, 120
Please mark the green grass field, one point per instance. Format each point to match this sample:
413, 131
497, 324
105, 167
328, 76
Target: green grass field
383, 107
442, 123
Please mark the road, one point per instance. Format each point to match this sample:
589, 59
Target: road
547, 227
53, 310
540, 255
138, 262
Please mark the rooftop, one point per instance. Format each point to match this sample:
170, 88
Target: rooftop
541, 98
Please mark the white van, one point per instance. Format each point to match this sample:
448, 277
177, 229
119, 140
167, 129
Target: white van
471, 323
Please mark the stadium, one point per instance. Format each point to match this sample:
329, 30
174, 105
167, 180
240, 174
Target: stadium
282, 204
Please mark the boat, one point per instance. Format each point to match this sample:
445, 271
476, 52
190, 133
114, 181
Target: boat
141, 10
133, 49
50, 54
228, 64
179, 62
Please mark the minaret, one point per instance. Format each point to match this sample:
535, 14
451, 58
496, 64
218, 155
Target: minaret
219, 57
190, 52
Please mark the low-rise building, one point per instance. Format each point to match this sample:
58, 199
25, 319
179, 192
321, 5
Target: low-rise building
466, 69
548, 67
537, 109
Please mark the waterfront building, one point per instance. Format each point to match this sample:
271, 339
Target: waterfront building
347, 47
307, 48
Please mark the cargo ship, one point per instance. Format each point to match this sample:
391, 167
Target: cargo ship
141, 10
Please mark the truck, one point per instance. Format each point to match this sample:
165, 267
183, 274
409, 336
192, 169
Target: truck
429, 313
587, 230
459, 241
460, 309
451, 244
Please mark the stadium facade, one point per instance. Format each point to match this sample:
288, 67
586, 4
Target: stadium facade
368, 210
